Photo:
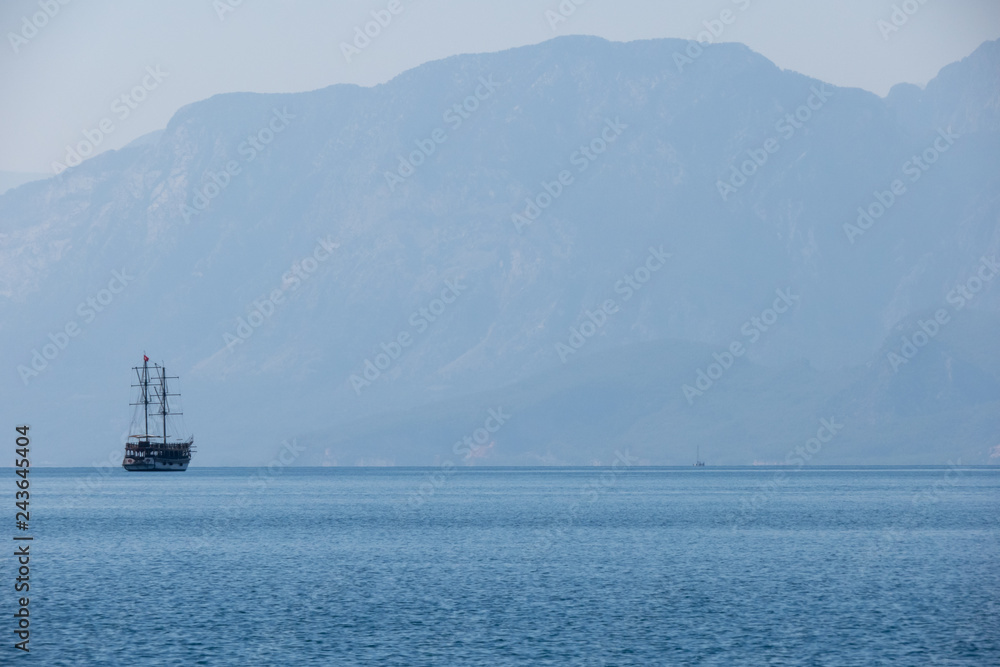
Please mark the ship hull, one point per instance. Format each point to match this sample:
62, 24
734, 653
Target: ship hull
154, 465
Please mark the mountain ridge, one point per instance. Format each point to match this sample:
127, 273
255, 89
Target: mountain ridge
322, 175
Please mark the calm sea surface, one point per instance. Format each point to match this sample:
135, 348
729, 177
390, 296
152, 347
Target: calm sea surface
326, 566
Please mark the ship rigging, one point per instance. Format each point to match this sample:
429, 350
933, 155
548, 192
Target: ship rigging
150, 451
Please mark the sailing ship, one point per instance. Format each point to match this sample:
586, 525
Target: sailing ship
698, 463
149, 450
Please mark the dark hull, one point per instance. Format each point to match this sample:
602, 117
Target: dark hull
157, 458
157, 466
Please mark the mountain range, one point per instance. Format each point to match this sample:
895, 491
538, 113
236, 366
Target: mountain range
610, 247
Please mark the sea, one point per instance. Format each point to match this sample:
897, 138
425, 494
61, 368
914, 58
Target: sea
515, 566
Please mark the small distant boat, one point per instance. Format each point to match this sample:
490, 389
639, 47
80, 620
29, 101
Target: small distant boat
698, 463
154, 452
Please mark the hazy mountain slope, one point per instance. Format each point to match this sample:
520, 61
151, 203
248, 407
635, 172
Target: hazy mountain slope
323, 176
13, 179
942, 404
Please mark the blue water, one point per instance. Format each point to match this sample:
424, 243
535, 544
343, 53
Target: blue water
514, 567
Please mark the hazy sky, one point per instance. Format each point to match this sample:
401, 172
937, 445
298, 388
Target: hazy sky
63, 78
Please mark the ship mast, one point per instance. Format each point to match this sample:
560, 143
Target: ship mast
163, 395
163, 388
145, 392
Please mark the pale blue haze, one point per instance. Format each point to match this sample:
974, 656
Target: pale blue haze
89, 53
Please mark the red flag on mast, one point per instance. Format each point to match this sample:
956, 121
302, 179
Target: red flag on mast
145, 358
